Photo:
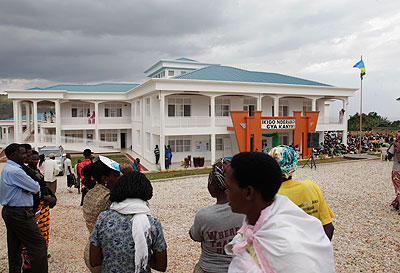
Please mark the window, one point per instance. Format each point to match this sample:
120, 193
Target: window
138, 137
283, 138
183, 72
179, 107
171, 73
219, 144
138, 108
147, 107
307, 105
283, 108
180, 144
247, 103
108, 136
112, 110
222, 107
80, 110
148, 141
73, 137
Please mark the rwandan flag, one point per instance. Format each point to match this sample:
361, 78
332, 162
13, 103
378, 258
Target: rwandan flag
360, 65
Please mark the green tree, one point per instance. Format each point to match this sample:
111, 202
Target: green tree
368, 121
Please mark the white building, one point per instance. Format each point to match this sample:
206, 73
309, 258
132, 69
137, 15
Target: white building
184, 103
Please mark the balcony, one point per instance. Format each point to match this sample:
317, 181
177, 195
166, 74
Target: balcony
223, 121
182, 122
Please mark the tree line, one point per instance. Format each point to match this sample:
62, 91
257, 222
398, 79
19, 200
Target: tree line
369, 121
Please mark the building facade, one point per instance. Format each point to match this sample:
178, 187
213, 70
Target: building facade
184, 103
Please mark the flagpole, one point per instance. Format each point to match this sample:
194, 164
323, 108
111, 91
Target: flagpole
360, 115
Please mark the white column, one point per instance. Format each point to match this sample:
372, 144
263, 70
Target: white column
313, 104
20, 121
7, 131
35, 122
142, 134
213, 148
15, 117
327, 105
346, 108
212, 106
276, 106
96, 122
42, 131
28, 116
162, 127
119, 138
58, 122
259, 99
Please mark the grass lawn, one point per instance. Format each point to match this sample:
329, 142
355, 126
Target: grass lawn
178, 173
120, 158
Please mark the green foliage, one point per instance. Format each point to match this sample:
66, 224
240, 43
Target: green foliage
120, 158
6, 108
369, 121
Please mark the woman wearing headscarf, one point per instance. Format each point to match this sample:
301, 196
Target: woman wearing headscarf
104, 173
216, 225
394, 152
127, 238
306, 194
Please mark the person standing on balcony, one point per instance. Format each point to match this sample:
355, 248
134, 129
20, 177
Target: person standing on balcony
50, 172
93, 117
88, 116
52, 115
157, 153
44, 117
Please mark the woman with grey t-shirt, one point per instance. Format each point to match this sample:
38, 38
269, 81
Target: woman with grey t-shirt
216, 225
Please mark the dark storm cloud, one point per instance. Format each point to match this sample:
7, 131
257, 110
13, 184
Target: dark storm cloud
44, 42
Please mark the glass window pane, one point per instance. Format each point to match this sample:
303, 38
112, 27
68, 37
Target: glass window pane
171, 110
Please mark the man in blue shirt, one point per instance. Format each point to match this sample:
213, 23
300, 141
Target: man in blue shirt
16, 189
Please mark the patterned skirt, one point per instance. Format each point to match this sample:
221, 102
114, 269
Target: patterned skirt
396, 183
44, 226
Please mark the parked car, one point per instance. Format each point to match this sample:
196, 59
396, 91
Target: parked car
60, 155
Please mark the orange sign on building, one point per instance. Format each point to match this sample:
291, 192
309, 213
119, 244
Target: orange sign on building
248, 129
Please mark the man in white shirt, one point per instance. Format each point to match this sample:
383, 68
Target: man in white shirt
50, 172
69, 172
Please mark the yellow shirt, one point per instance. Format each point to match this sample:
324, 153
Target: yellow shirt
308, 196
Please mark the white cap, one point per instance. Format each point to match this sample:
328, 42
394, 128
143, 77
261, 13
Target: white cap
110, 163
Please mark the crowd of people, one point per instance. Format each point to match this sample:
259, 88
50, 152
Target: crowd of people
263, 220
332, 144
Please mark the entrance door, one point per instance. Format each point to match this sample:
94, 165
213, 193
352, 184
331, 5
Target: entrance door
123, 140
227, 148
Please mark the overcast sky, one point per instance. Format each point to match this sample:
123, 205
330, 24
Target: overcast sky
47, 42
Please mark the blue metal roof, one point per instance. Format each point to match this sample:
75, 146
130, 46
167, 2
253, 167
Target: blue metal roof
228, 73
186, 59
102, 87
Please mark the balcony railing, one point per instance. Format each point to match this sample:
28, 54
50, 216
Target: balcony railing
180, 122
223, 121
